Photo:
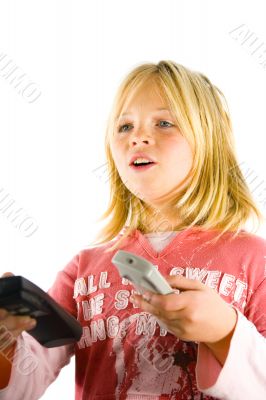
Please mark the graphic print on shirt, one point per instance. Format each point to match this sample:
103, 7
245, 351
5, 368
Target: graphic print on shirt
147, 356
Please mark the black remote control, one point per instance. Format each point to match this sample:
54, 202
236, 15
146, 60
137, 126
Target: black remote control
55, 326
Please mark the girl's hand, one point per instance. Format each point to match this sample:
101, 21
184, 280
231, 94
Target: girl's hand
197, 314
11, 326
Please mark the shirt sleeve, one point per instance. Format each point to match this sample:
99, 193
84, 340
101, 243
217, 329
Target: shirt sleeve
35, 367
243, 376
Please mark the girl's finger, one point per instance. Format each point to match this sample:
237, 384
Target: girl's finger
8, 337
12, 322
182, 283
167, 303
3, 313
140, 302
156, 307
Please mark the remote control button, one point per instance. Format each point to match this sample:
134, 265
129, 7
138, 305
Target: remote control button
24, 310
38, 313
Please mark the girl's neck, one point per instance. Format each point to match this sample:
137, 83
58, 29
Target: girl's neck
162, 224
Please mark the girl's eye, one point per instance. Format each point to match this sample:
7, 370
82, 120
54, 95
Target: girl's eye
167, 123
121, 128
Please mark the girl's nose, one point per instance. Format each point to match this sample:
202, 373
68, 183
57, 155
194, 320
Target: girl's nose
138, 141
141, 136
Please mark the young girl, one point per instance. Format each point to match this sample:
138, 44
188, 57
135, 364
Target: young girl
179, 199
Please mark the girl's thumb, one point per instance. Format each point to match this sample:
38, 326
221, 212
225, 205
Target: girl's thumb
6, 274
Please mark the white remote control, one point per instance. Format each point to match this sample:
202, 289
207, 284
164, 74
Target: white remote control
141, 273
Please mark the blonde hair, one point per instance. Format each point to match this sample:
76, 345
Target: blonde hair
215, 195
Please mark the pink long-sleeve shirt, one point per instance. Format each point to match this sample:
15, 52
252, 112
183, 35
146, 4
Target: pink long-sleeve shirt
125, 353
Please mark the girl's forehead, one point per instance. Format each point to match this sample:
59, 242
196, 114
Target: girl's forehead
146, 93
150, 87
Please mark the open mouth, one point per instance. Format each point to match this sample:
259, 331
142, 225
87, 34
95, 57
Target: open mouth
142, 166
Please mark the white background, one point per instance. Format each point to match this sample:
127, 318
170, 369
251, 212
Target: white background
77, 52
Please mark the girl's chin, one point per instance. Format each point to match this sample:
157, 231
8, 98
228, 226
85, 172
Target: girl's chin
151, 198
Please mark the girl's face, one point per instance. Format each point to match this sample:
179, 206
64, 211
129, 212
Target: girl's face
149, 130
